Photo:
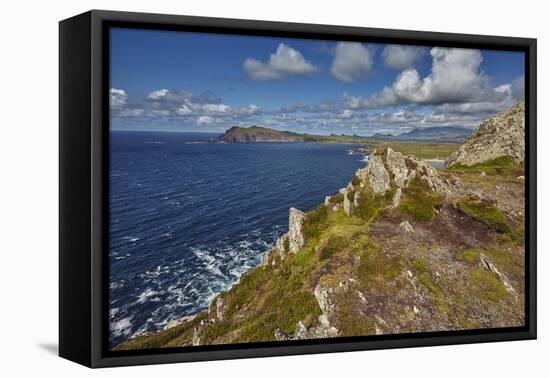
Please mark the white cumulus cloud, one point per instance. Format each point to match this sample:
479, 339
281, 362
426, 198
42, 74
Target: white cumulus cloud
399, 57
285, 61
117, 97
455, 77
203, 120
352, 61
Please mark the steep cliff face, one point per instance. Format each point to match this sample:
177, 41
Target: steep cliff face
402, 248
501, 135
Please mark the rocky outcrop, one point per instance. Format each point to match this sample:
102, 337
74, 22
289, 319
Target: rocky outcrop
216, 308
296, 238
323, 329
290, 242
388, 169
375, 174
501, 135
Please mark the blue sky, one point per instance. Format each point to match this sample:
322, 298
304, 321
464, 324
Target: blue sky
162, 80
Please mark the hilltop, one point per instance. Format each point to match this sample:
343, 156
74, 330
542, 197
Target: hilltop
257, 134
501, 135
403, 248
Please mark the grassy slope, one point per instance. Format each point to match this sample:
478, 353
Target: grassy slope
391, 269
422, 150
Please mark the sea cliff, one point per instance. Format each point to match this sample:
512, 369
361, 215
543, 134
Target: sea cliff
402, 248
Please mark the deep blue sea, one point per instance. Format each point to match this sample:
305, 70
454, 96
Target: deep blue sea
188, 217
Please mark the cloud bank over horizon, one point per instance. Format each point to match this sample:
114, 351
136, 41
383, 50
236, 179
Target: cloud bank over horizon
316, 87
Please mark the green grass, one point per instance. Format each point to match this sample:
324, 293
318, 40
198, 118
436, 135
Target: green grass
371, 205
333, 245
487, 286
470, 255
496, 166
422, 270
247, 288
315, 223
375, 268
347, 320
422, 150
285, 305
515, 236
419, 201
484, 212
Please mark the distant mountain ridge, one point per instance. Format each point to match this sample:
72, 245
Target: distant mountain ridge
425, 134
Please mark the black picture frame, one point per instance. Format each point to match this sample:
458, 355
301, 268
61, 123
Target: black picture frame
84, 187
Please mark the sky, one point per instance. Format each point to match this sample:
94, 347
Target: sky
199, 82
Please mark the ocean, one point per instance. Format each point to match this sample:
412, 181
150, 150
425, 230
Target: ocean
189, 217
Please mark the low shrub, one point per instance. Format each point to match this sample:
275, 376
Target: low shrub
419, 201
333, 245
484, 212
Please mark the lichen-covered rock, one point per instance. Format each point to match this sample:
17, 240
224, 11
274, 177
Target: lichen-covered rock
388, 169
216, 308
296, 238
406, 226
375, 175
501, 135
396, 164
322, 294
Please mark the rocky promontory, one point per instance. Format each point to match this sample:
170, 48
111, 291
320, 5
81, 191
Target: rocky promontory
258, 134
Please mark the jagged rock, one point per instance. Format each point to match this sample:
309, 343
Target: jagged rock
501, 135
327, 200
295, 230
487, 264
375, 174
216, 308
322, 294
388, 168
406, 226
290, 242
322, 331
347, 284
396, 164
282, 244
